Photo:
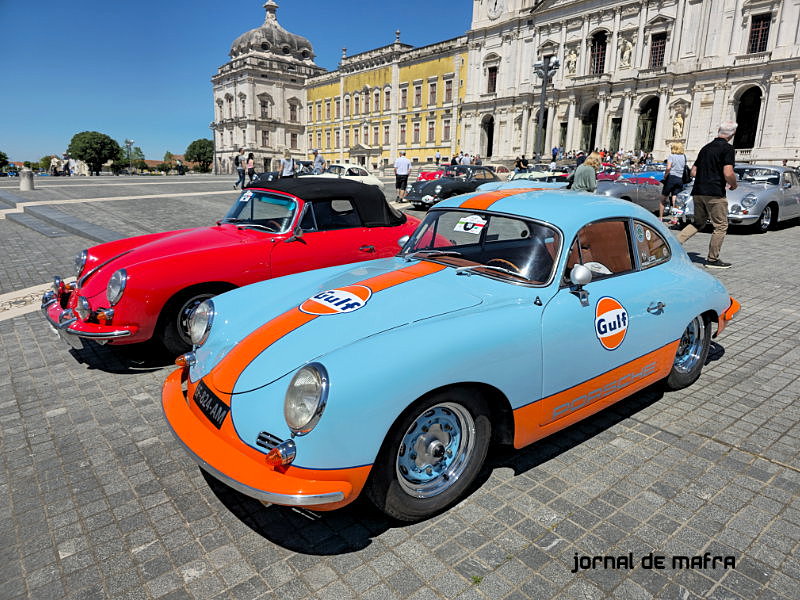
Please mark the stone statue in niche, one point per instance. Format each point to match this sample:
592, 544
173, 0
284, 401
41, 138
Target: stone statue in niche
677, 126
625, 51
572, 62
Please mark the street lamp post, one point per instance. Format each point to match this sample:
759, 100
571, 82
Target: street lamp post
545, 69
129, 144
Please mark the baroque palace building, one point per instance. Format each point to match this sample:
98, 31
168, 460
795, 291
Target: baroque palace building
634, 75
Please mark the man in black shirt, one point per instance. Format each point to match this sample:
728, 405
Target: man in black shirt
712, 170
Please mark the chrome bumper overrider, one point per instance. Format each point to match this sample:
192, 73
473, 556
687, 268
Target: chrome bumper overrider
66, 318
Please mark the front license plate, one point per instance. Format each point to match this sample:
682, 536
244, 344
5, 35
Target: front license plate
213, 408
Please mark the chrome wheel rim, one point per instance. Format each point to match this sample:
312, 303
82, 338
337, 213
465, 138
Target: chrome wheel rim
690, 348
435, 450
185, 312
765, 219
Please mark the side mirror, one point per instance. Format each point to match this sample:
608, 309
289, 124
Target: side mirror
297, 234
580, 276
403, 241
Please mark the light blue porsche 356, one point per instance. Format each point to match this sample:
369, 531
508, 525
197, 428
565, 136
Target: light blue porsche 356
507, 316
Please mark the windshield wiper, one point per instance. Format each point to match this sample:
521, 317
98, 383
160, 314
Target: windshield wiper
432, 253
231, 220
256, 225
468, 270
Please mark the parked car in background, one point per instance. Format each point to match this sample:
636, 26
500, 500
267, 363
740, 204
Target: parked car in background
430, 172
351, 171
512, 316
644, 191
458, 179
765, 195
145, 287
502, 171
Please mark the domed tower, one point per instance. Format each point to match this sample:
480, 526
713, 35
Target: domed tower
259, 95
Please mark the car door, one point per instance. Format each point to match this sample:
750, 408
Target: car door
608, 339
790, 189
333, 234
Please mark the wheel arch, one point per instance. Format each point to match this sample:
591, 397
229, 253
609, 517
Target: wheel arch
215, 287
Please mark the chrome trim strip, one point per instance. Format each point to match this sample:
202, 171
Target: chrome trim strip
94, 269
97, 335
262, 495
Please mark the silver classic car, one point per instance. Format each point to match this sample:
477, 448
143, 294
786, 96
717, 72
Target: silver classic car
765, 195
644, 191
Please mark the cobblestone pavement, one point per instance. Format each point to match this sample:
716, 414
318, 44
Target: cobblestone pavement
97, 500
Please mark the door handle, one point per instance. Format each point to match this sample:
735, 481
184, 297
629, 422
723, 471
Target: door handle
367, 248
656, 308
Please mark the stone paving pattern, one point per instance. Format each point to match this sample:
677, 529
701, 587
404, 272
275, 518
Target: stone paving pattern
97, 500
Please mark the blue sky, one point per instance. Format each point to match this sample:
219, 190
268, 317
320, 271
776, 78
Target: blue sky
142, 70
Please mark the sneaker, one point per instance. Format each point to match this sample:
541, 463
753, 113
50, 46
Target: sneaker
717, 264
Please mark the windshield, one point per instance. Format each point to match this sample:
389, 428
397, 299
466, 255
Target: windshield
496, 246
262, 210
758, 175
335, 169
456, 172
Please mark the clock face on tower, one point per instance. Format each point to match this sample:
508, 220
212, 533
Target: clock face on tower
496, 8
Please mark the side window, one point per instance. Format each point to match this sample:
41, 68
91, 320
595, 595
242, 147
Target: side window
336, 214
650, 246
307, 222
602, 247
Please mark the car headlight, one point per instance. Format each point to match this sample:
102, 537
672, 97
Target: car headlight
735, 209
200, 322
80, 261
116, 285
749, 200
305, 398
437, 190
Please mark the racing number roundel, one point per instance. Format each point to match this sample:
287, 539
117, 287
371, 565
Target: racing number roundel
341, 300
610, 322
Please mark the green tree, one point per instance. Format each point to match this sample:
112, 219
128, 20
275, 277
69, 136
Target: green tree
3, 159
27, 164
165, 167
95, 149
201, 151
168, 157
44, 162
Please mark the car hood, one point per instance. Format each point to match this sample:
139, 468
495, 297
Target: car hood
184, 242
272, 317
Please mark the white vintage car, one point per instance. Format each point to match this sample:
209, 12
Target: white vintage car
351, 171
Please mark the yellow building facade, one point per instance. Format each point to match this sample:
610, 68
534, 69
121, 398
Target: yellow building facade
387, 100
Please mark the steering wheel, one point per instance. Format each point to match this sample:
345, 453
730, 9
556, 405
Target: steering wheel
505, 263
273, 224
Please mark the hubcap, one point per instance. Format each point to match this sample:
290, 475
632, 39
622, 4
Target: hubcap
185, 312
691, 346
766, 218
435, 450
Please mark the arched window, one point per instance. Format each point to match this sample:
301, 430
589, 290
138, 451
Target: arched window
747, 118
376, 99
597, 59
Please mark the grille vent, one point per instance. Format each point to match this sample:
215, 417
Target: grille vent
267, 440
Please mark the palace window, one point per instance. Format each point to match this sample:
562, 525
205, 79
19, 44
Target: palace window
417, 95
448, 90
375, 139
347, 138
597, 58
293, 113
416, 133
376, 97
328, 139
293, 141
386, 134
431, 94
366, 135
310, 113
266, 109
431, 132
446, 130
658, 46
319, 111
338, 108
402, 133
338, 138
387, 99
264, 138
310, 140
759, 33
347, 107
355, 136
327, 110
366, 102
355, 105
491, 80
403, 98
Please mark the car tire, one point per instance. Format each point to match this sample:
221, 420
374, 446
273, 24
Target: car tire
765, 220
453, 428
172, 330
691, 354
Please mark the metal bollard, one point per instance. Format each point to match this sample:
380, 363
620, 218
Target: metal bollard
25, 180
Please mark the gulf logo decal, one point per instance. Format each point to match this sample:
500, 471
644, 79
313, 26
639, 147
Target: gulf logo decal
338, 301
610, 322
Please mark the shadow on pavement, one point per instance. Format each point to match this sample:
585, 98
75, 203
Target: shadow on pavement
129, 359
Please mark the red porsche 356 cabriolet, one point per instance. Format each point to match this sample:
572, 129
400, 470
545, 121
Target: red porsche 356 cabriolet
144, 287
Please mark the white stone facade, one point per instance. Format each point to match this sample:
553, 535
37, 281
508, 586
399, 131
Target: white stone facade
634, 74
259, 96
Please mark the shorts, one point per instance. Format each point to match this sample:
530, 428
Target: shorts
673, 185
400, 182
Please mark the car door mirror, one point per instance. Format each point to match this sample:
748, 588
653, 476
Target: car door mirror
297, 234
403, 241
580, 276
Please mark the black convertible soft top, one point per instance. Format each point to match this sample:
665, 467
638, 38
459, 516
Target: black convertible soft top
368, 200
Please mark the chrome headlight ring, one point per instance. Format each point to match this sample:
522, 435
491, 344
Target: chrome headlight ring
749, 200
437, 190
200, 322
306, 398
80, 261
116, 286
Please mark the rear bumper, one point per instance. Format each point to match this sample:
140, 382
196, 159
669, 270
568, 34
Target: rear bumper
226, 458
727, 315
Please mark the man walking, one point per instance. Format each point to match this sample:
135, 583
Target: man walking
711, 171
238, 162
402, 167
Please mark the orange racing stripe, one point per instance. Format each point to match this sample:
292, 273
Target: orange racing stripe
484, 201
